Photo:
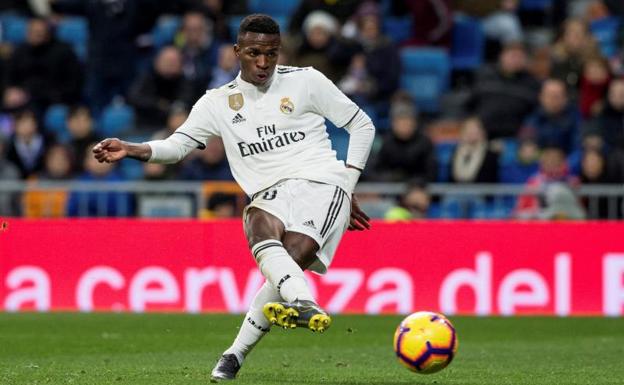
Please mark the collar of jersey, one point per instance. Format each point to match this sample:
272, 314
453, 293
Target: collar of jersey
246, 86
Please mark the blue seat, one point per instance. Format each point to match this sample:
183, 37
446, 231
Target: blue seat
115, 119
339, 139
74, 31
444, 153
605, 31
467, 50
274, 7
165, 30
536, 5
398, 29
426, 76
14, 29
233, 24
54, 122
509, 152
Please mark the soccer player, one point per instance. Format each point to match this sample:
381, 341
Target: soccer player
272, 122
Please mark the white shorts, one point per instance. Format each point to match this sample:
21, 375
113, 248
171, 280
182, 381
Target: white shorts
318, 210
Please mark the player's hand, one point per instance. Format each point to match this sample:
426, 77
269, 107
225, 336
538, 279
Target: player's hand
359, 220
110, 150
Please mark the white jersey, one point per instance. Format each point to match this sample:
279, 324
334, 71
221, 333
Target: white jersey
277, 132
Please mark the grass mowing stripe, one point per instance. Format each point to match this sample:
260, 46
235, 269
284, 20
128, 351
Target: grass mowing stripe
154, 349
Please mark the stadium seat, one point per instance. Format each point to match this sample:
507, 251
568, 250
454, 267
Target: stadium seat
14, 29
54, 122
115, 119
274, 7
74, 31
165, 30
605, 31
339, 140
467, 50
426, 73
444, 152
508, 154
398, 29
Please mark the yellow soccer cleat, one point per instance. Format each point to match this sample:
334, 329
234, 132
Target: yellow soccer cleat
297, 314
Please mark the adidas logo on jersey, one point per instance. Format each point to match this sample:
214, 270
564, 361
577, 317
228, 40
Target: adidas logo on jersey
309, 223
238, 119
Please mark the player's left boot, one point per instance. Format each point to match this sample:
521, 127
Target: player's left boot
226, 368
297, 314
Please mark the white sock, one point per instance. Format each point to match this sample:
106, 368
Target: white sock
255, 325
281, 270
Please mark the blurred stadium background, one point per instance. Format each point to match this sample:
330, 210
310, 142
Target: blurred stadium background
475, 104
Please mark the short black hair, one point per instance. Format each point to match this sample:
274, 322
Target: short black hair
259, 23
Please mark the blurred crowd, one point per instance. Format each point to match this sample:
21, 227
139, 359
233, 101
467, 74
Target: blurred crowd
542, 106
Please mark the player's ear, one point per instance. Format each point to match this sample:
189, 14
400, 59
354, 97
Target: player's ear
237, 50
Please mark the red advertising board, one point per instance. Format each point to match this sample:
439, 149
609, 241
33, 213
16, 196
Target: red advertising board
488, 268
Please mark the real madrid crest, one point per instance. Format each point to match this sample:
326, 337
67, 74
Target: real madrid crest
236, 101
287, 106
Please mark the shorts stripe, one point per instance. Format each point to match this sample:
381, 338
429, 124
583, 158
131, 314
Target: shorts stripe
335, 215
330, 210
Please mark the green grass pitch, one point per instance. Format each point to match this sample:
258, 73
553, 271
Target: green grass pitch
65, 348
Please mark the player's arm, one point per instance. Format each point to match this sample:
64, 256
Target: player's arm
362, 134
170, 150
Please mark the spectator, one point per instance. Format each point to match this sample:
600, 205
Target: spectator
80, 126
321, 47
339, 10
553, 171
112, 53
594, 171
28, 144
177, 115
199, 48
503, 25
155, 91
43, 70
8, 172
218, 11
373, 76
472, 160
570, 52
524, 165
432, 21
610, 122
414, 204
226, 69
210, 164
505, 94
555, 122
594, 85
220, 205
50, 203
405, 151
99, 203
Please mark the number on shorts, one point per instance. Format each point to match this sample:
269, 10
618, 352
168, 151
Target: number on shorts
269, 195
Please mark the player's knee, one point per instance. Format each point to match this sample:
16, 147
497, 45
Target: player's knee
261, 226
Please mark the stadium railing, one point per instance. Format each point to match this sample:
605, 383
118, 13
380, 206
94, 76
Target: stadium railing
185, 199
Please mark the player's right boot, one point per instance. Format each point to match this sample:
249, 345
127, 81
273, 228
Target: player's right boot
226, 368
297, 314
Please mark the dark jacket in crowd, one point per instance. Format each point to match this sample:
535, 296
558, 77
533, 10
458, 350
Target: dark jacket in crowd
560, 131
398, 160
152, 96
384, 65
51, 73
503, 102
487, 172
610, 125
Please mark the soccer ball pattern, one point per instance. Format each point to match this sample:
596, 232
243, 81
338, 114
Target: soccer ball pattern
425, 342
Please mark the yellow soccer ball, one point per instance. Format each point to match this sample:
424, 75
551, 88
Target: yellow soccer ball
425, 342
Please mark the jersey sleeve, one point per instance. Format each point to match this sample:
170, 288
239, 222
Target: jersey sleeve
201, 122
328, 101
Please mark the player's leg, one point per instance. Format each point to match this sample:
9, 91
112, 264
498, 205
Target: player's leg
305, 313
264, 233
254, 327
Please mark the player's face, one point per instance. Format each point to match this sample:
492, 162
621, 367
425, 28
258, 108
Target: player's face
258, 54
